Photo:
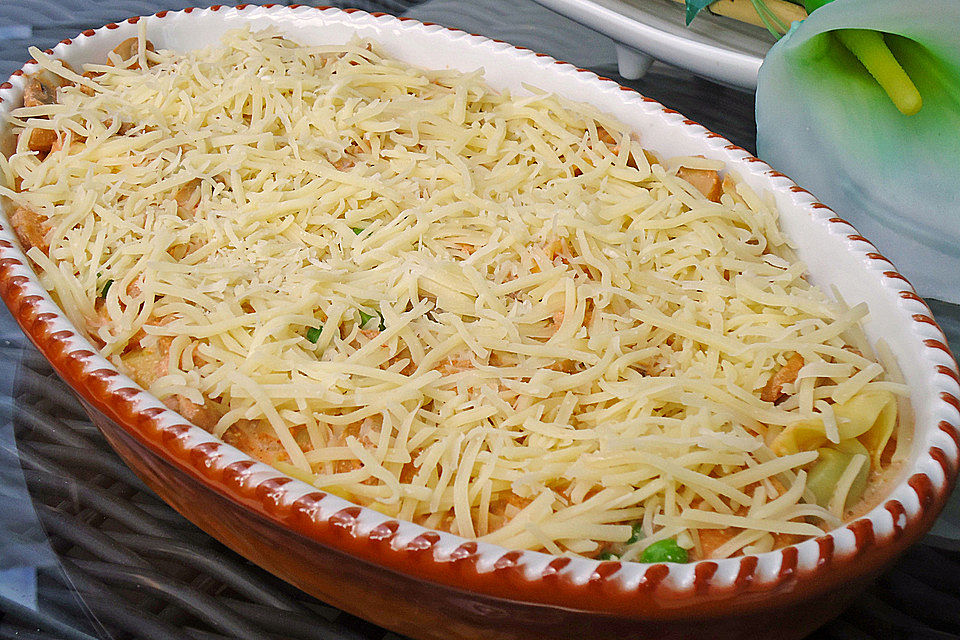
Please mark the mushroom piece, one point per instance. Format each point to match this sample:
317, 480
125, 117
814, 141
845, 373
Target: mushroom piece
706, 181
785, 375
31, 228
40, 89
129, 49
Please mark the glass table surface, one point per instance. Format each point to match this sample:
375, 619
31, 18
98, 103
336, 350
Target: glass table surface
88, 552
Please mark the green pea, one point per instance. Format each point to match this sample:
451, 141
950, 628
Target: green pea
636, 532
664, 551
606, 556
313, 334
357, 230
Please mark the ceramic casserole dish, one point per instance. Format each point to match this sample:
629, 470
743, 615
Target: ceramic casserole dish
431, 584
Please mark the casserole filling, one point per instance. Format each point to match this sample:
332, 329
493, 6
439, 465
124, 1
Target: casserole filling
490, 314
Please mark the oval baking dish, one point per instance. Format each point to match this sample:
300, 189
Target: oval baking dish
432, 584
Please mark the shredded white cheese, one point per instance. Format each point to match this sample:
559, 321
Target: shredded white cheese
491, 315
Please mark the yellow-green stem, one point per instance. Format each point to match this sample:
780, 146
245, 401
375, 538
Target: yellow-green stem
873, 52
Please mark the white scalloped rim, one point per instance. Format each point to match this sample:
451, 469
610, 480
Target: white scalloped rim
834, 253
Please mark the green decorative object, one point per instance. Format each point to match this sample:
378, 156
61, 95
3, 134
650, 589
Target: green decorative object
694, 7
833, 100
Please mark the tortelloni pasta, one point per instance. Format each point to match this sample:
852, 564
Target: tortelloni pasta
848, 451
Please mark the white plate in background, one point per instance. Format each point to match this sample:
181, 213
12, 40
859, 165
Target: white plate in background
714, 47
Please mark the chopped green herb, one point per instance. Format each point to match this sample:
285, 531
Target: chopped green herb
606, 556
664, 551
313, 334
636, 532
357, 230
105, 288
367, 317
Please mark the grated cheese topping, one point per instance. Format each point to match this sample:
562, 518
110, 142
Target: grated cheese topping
491, 314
